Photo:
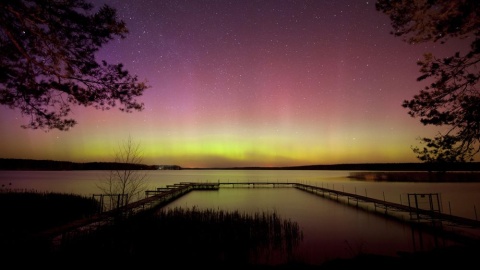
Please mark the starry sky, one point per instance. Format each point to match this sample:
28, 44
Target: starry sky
249, 83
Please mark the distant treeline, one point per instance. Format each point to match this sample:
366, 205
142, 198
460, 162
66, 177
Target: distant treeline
471, 166
468, 166
53, 165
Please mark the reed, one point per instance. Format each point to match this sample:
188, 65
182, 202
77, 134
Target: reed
192, 237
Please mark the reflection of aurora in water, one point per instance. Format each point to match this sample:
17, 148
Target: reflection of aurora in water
330, 229
214, 234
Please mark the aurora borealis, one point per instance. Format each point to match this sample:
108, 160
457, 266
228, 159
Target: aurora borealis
250, 83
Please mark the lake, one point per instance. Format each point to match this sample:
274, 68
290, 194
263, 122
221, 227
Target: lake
331, 230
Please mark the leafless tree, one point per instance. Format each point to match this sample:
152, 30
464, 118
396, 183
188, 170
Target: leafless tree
126, 183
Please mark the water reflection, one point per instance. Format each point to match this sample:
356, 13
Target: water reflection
460, 199
331, 230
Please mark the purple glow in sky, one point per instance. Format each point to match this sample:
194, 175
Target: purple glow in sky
250, 83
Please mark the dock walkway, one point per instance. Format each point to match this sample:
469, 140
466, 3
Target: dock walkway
162, 196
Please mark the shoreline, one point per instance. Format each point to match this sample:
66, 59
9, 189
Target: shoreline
387, 176
12, 164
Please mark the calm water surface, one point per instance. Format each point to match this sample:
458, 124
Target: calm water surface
330, 229
461, 199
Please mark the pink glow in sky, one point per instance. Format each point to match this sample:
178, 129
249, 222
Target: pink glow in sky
250, 83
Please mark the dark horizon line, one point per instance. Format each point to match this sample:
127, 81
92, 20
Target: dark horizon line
400, 166
38, 164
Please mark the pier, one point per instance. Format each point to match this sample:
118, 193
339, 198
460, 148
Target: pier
159, 197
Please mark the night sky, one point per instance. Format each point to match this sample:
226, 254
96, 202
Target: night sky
249, 83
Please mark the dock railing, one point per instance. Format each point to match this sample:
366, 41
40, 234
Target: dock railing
161, 196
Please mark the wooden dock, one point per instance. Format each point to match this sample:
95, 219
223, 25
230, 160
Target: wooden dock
416, 213
159, 197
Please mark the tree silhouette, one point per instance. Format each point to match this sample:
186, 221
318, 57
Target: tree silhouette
453, 97
48, 65
126, 184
